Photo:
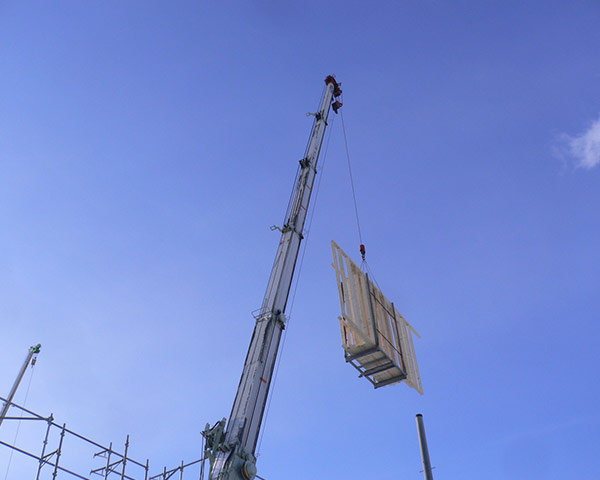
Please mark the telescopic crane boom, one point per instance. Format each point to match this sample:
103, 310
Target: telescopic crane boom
231, 449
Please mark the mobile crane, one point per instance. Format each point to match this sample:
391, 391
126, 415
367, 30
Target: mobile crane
231, 446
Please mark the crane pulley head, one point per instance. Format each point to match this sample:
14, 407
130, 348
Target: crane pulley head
337, 91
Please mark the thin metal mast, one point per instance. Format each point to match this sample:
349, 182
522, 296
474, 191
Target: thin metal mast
232, 450
424, 449
32, 351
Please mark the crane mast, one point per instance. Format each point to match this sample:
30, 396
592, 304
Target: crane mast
231, 449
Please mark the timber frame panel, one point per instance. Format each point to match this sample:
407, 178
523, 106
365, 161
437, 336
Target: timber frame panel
377, 340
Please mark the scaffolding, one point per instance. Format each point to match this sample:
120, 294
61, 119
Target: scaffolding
49, 458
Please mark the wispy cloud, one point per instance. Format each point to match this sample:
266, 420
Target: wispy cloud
585, 147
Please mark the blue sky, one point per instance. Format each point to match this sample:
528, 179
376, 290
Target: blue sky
146, 148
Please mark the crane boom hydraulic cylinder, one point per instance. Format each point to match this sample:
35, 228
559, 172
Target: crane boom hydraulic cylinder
231, 450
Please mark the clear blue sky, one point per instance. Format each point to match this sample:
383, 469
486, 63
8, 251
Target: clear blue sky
146, 148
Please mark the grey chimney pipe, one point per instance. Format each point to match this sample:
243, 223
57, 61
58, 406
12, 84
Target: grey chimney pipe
424, 449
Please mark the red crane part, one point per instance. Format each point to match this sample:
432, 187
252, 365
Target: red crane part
337, 91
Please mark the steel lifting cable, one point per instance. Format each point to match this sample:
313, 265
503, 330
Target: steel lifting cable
364, 265
362, 246
371, 275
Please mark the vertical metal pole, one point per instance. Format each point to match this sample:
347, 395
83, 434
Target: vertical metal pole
43, 455
32, 351
107, 471
59, 451
424, 449
147, 468
181, 471
125, 458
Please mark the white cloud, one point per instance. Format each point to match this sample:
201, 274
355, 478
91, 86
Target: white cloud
585, 148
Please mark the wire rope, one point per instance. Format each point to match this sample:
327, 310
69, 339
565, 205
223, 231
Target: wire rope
371, 276
306, 237
364, 265
351, 178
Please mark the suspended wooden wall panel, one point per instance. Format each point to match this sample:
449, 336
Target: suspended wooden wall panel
376, 338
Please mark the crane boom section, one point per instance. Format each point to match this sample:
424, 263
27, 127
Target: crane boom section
248, 408
242, 432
